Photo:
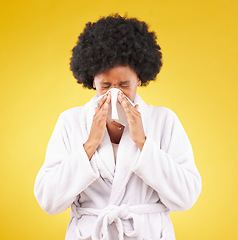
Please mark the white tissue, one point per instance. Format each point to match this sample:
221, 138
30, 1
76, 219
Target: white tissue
116, 112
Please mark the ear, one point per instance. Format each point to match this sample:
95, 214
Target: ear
139, 82
94, 85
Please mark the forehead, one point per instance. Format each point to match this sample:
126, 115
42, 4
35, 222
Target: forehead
117, 74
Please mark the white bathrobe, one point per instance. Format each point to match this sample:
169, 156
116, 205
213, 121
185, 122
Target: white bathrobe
131, 199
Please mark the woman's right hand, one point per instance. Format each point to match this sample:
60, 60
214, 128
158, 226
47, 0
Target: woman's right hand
98, 126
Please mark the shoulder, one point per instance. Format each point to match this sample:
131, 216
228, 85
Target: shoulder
72, 112
79, 111
163, 124
149, 111
71, 115
161, 112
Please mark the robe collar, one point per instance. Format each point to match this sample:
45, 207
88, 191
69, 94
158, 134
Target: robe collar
127, 153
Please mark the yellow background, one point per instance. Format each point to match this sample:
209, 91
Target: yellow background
198, 82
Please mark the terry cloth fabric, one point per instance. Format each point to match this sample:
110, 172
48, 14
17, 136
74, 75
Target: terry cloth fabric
163, 172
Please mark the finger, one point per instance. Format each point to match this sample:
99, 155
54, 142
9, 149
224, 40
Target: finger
104, 108
128, 107
96, 109
102, 113
106, 104
108, 100
102, 101
99, 110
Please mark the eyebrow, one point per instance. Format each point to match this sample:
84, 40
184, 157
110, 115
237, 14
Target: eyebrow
104, 82
123, 82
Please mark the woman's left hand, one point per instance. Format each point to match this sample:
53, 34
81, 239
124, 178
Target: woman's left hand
134, 120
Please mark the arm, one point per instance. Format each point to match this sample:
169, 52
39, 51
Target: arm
169, 167
65, 173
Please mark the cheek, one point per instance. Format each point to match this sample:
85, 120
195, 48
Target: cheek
126, 92
130, 93
100, 91
98, 87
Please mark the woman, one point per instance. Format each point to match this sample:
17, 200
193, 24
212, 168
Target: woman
121, 180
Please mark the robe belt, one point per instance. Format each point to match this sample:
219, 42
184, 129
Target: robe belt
118, 215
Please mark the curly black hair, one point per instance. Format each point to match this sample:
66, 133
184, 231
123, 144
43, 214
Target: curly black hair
112, 41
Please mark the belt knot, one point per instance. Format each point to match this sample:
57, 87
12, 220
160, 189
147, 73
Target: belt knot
112, 212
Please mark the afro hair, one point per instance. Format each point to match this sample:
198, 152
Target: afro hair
112, 41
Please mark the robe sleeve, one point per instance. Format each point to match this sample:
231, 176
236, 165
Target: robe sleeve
168, 166
65, 173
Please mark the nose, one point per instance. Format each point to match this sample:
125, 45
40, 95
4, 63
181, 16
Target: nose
114, 85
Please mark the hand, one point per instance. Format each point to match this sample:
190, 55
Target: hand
134, 120
98, 126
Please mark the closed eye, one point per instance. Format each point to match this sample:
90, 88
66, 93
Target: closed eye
105, 85
125, 84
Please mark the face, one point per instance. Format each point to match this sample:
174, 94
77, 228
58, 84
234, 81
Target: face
121, 77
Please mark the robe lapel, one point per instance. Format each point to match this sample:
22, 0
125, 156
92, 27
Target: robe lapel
104, 154
105, 158
127, 156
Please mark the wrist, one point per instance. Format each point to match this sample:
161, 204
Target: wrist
140, 143
90, 147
